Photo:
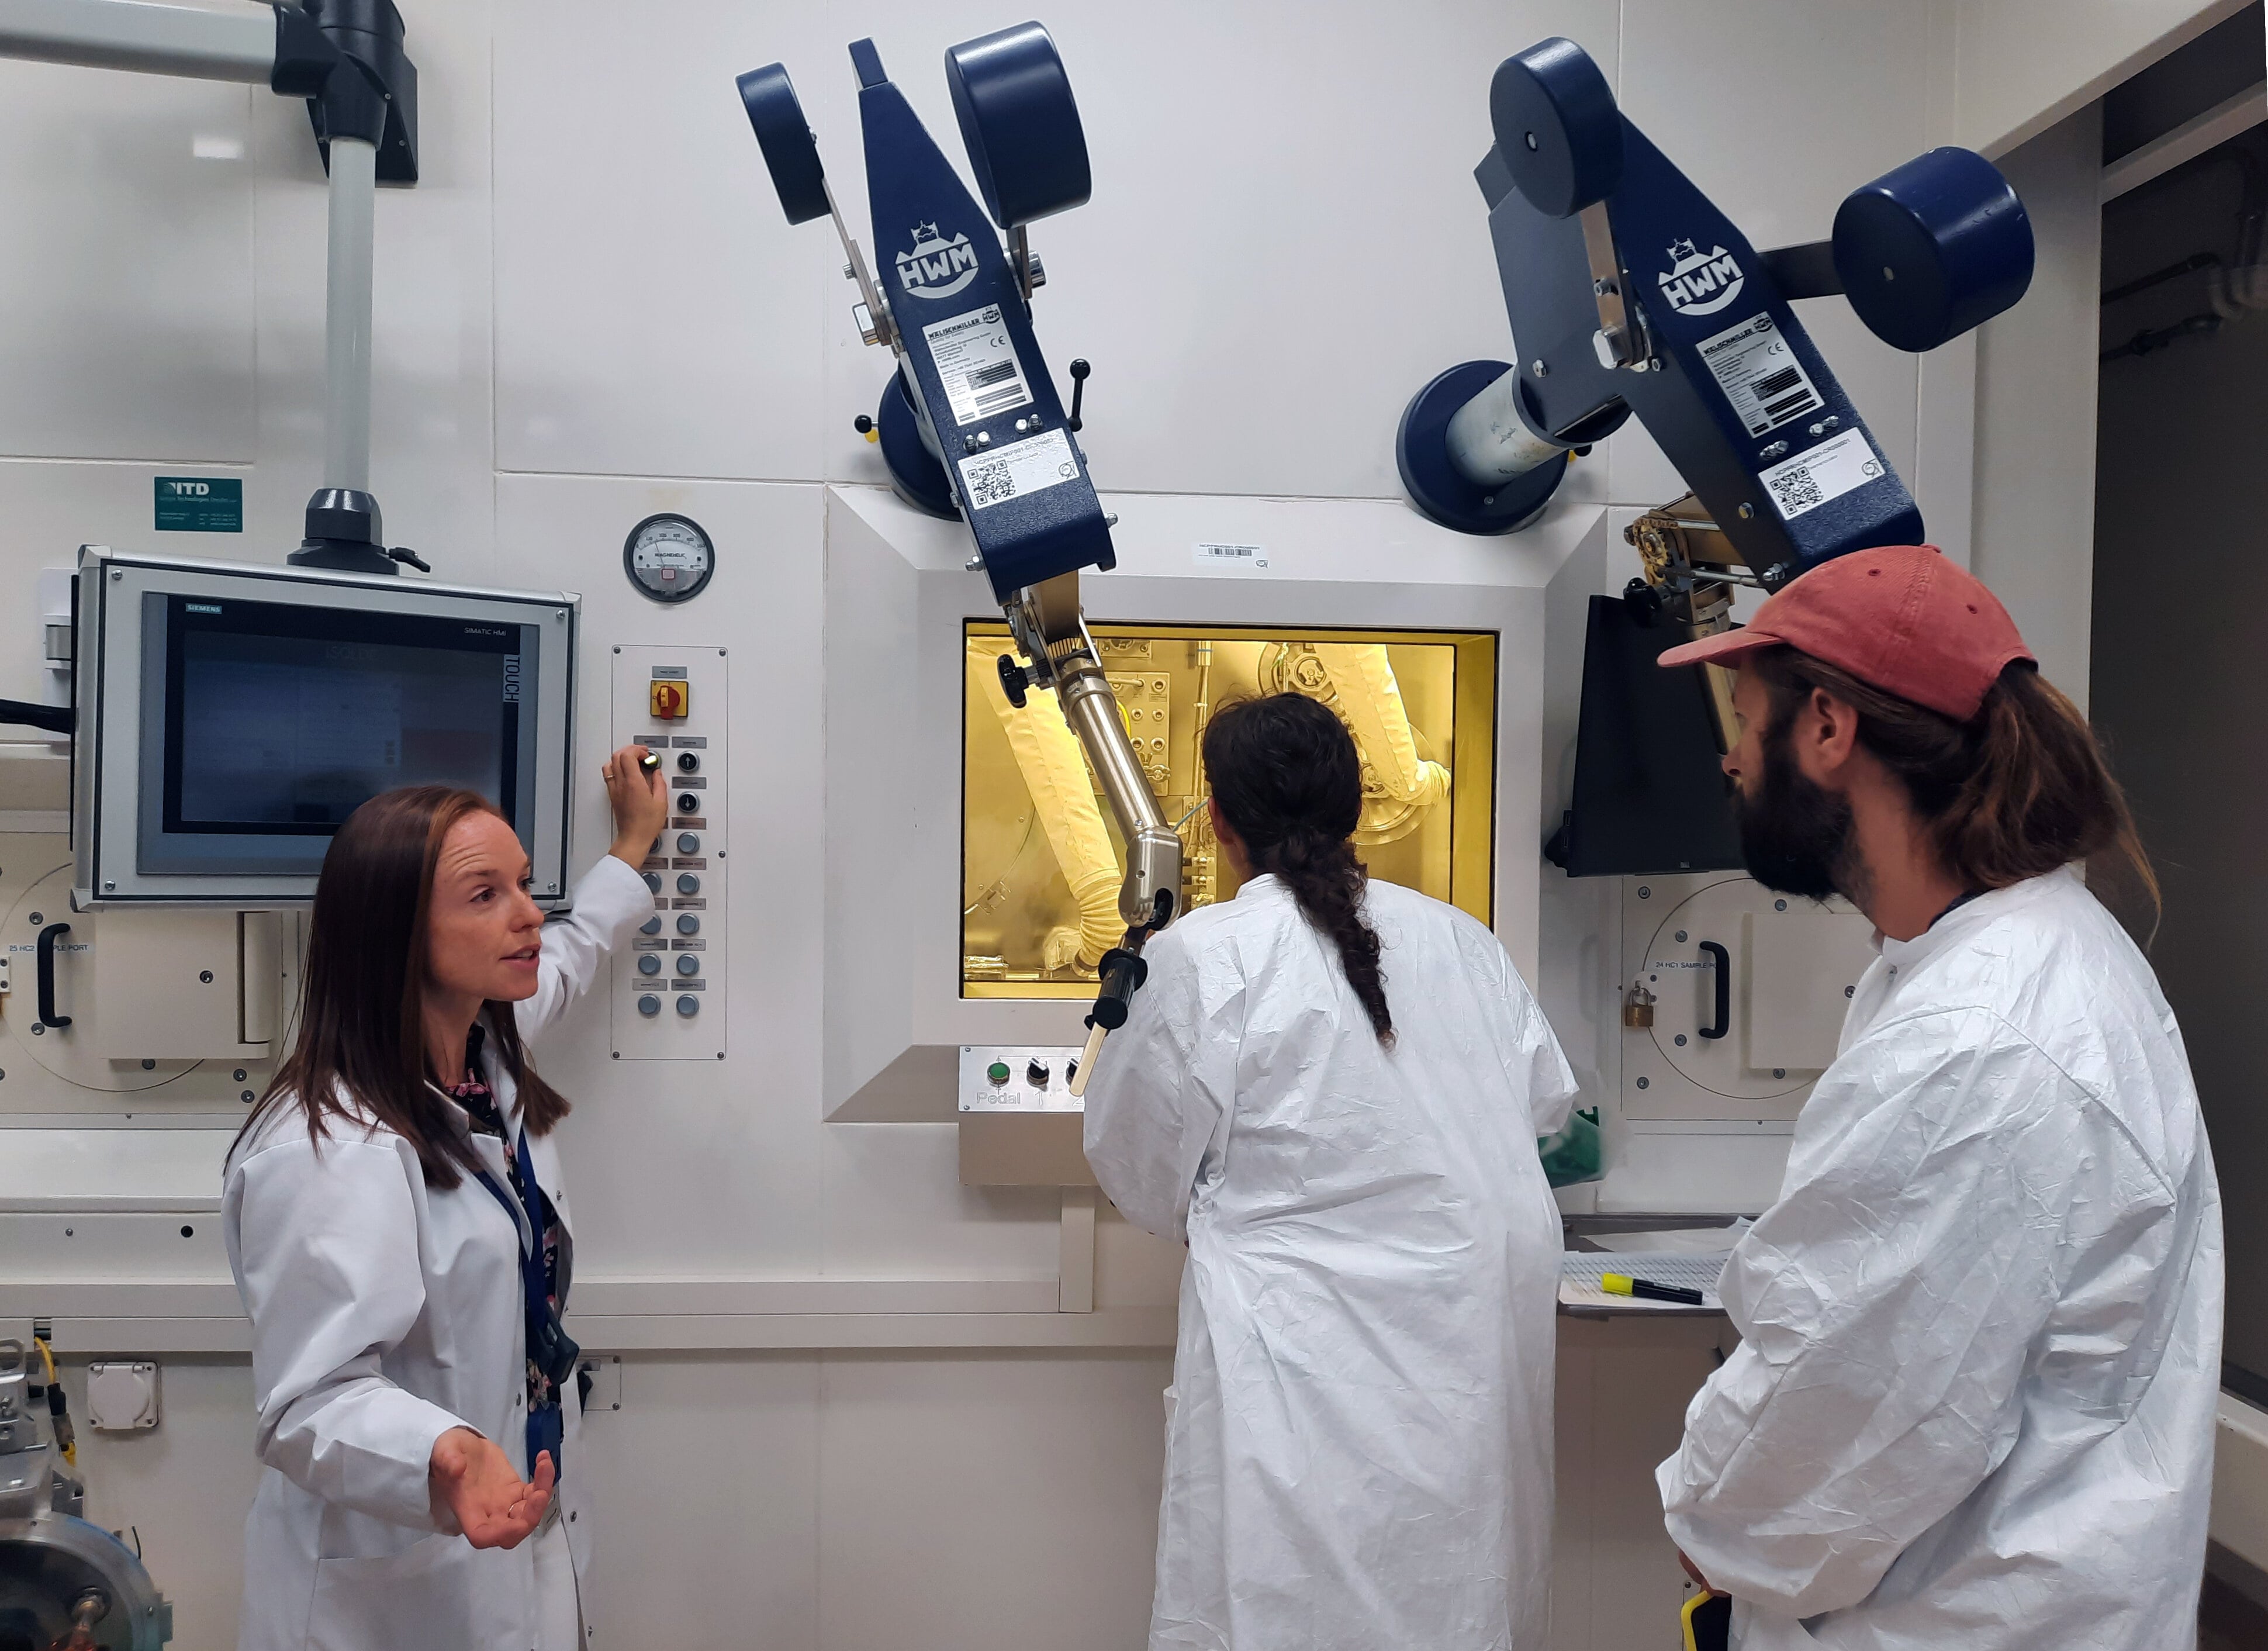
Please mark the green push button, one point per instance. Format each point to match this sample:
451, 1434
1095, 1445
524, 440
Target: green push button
997, 1072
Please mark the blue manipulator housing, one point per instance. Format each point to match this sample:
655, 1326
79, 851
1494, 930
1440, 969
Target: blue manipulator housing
970, 424
1629, 291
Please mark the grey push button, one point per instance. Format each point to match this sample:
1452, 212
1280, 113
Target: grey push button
688, 883
688, 1005
687, 924
648, 1003
687, 963
649, 964
687, 843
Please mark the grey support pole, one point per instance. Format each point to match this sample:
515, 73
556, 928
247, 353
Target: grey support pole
346, 326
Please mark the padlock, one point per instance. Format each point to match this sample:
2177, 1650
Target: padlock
1638, 1009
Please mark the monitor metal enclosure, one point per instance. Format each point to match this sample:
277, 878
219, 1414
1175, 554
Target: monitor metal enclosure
230, 717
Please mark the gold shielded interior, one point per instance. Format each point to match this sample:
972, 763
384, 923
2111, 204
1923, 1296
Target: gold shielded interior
1041, 858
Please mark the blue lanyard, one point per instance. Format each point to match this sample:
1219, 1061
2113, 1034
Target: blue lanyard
549, 1346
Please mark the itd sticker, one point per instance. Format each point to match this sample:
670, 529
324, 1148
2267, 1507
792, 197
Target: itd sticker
200, 503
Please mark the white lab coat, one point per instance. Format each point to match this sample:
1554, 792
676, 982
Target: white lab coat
1974, 1401
385, 1313
1359, 1436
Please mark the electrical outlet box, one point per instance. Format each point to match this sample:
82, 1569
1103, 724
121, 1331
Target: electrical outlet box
122, 1396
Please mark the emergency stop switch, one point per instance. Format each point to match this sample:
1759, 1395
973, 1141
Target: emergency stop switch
670, 700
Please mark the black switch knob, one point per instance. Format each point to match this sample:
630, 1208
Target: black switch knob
1036, 1074
1014, 678
687, 762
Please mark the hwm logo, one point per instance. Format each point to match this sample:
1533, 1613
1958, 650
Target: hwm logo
1700, 283
936, 269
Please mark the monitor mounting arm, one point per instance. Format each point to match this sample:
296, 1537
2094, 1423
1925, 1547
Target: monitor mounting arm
345, 58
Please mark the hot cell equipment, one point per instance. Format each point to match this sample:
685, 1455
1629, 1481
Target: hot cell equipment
970, 422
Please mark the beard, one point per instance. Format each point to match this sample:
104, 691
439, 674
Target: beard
1795, 836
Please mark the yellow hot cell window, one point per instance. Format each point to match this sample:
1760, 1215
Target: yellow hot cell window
1042, 857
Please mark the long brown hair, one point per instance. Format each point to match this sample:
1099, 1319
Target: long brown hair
2020, 790
361, 1048
1288, 779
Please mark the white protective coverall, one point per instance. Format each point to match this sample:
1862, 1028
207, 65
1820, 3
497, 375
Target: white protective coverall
1973, 1404
1359, 1436
384, 1313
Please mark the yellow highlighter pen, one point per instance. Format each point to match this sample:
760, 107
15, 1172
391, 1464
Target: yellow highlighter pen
1646, 1289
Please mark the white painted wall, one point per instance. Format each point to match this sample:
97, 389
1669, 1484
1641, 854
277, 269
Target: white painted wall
850, 1420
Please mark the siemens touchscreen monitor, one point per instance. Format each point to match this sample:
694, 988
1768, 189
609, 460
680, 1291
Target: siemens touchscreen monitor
240, 715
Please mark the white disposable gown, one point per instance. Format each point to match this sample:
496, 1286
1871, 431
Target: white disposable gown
1359, 1436
1973, 1403
384, 1313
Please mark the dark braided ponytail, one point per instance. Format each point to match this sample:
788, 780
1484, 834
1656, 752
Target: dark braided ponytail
1286, 774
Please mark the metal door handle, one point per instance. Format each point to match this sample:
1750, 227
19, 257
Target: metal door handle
47, 1015
1724, 1016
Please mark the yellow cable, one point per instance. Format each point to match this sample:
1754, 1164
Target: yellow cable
47, 1358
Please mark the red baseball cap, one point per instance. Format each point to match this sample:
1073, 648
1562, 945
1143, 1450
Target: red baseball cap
1901, 618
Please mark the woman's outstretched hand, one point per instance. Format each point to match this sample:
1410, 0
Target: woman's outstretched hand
640, 801
495, 1507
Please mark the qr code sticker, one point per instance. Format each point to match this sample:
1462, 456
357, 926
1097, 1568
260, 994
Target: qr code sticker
990, 483
1796, 492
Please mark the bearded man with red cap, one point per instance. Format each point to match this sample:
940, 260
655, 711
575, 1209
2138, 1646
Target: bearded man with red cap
1973, 1404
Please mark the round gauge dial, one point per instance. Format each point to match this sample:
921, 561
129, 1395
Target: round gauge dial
668, 557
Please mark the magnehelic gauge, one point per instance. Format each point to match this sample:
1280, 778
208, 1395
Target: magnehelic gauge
669, 557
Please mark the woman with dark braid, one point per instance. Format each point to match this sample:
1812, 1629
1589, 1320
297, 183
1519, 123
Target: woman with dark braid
1330, 1089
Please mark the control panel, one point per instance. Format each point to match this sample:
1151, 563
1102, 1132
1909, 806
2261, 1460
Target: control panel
1018, 1078
667, 997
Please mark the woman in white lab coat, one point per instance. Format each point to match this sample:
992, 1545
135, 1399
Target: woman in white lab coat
1331, 1090
399, 1233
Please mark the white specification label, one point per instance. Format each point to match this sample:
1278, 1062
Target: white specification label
1020, 468
1215, 554
1830, 470
1760, 375
978, 360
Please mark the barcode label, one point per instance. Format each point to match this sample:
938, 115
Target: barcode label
976, 362
1760, 375
1227, 556
1018, 469
1832, 468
